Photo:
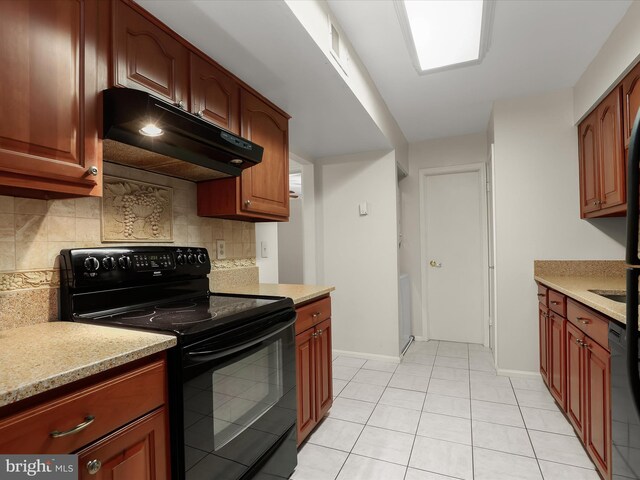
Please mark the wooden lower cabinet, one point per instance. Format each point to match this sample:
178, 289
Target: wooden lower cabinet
543, 319
598, 405
575, 379
557, 367
579, 376
314, 378
138, 451
116, 421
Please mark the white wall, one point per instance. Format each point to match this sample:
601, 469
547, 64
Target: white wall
616, 57
358, 254
268, 266
537, 214
291, 245
314, 16
433, 153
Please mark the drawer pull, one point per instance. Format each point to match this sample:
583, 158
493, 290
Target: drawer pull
584, 321
314, 334
88, 420
315, 315
319, 331
580, 342
94, 466
553, 302
541, 295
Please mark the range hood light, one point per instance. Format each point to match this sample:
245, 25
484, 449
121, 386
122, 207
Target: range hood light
151, 130
236, 161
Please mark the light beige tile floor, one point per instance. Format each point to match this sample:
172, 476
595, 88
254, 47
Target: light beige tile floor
441, 414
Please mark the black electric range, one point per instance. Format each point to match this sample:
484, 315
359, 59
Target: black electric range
232, 375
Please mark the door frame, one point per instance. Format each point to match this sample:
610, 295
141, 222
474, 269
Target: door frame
480, 168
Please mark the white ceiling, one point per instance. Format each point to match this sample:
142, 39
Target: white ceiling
536, 46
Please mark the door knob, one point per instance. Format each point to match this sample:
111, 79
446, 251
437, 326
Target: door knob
435, 264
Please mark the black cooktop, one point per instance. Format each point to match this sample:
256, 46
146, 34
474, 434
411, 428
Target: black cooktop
164, 289
205, 313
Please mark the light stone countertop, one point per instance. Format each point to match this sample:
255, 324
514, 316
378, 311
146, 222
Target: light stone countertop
37, 358
298, 293
578, 286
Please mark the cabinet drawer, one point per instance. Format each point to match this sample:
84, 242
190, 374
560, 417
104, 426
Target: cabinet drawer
112, 403
312, 313
590, 322
542, 295
558, 303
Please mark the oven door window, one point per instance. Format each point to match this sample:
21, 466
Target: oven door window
244, 391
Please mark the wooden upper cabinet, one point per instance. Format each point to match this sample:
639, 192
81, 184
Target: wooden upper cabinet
265, 187
145, 57
588, 153
215, 96
602, 160
612, 164
630, 102
49, 112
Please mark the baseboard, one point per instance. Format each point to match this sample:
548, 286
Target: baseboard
517, 373
368, 356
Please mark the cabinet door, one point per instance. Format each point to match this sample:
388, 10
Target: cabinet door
265, 187
630, 101
49, 120
612, 164
588, 157
575, 379
543, 319
147, 58
324, 376
215, 96
138, 451
557, 364
305, 383
598, 406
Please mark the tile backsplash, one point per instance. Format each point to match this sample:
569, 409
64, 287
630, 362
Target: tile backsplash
32, 233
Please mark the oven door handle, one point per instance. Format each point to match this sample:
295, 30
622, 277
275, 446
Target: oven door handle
208, 355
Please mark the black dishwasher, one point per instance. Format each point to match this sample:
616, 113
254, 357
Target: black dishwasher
625, 424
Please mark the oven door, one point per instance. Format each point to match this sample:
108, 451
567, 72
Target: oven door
239, 403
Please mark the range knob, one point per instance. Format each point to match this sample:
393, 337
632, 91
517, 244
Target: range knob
91, 264
202, 258
124, 262
191, 258
109, 263
180, 258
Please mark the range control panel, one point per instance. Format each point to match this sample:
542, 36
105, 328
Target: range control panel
88, 266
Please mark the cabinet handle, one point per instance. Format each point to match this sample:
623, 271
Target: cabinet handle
315, 315
586, 345
314, 334
88, 420
554, 302
579, 342
92, 170
584, 321
247, 202
93, 466
541, 295
180, 104
595, 202
200, 113
320, 332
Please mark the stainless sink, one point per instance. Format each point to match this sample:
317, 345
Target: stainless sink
615, 295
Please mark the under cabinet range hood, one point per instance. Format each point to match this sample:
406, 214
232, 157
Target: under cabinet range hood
145, 132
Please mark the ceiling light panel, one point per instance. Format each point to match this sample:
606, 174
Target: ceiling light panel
444, 33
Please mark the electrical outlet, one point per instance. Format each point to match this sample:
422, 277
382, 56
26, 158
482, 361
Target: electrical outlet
264, 249
221, 251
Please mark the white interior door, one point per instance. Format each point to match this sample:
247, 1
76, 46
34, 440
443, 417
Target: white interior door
455, 255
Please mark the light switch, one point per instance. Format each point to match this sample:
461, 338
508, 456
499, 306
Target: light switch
221, 251
264, 249
364, 209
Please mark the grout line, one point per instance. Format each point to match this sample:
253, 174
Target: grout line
535, 454
473, 465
